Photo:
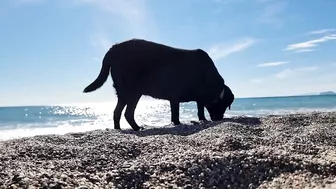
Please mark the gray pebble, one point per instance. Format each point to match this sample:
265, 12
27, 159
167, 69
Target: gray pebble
293, 151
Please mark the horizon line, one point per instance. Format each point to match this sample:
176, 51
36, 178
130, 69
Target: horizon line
111, 101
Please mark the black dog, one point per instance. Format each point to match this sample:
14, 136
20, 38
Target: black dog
139, 67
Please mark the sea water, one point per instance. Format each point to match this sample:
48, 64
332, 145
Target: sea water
24, 121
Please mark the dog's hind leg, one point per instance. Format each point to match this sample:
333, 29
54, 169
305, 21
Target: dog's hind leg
175, 112
117, 112
130, 109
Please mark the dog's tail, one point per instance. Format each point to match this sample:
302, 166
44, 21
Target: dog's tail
102, 77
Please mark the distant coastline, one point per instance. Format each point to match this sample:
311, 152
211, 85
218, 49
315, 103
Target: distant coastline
328, 93
320, 93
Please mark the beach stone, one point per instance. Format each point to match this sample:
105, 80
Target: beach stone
292, 151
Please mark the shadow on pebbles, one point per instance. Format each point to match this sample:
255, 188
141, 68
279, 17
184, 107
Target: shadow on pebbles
292, 151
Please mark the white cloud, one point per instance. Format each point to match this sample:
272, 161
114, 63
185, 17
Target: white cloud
291, 72
227, 1
302, 83
268, 64
310, 44
21, 2
101, 42
96, 59
220, 51
273, 13
304, 50
264, 1
132, 16
284, 74
6, 6
256, 80
311, 68
333, 64
31, 1
322, 31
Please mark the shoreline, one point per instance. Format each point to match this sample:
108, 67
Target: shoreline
293, 150
129, 129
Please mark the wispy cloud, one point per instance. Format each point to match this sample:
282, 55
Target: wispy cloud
284, 73
6, 6
227, 1
310, 44
220, 51
22, 2
311, 68
96, 59
304, 50
101, 41
291, 72
322, 31
273, 12
31, 1
132, 17
333, 64
264, 1
256, 80
268, 64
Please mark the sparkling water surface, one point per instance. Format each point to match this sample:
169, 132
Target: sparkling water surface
17, 122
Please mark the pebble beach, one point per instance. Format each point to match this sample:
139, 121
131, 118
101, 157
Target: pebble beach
291, 151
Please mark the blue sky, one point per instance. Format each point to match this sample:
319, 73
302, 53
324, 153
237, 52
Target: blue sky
51, 49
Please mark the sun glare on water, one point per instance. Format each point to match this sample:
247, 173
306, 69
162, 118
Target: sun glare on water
68, 118
148, 112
